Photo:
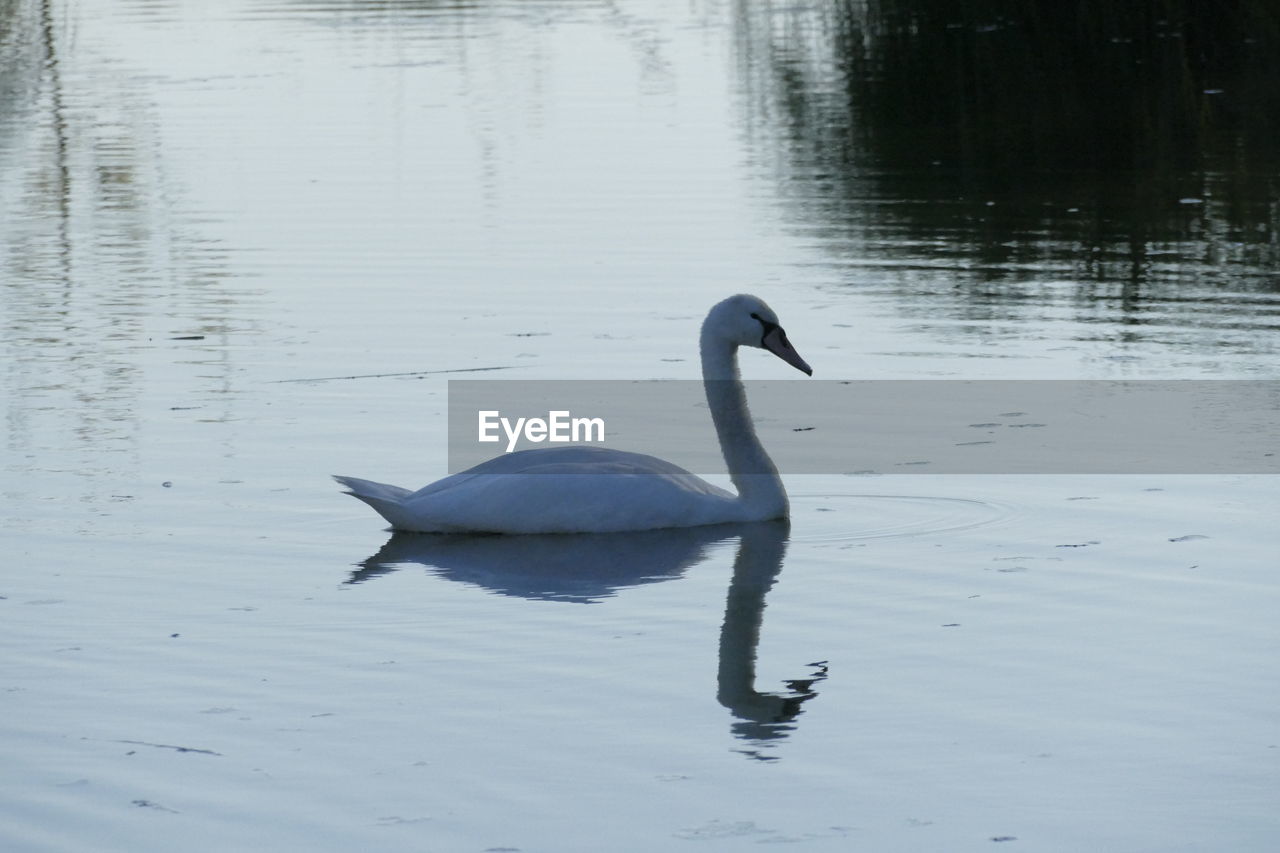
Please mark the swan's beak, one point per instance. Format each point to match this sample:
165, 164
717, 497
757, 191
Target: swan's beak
775, 341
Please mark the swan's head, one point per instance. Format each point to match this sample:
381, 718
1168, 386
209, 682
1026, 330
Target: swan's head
746, 321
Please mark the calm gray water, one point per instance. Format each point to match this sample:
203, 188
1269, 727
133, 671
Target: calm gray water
243, 246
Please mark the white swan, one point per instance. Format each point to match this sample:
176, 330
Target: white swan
581, 489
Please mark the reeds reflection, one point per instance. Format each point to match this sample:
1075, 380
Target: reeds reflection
589, 568
95, 254
1133, 142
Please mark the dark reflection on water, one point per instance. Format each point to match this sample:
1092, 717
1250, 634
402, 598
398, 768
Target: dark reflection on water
582, 568
588, 568
978, 154
762, 716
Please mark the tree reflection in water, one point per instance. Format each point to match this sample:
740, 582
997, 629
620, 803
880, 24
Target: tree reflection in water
1136, 143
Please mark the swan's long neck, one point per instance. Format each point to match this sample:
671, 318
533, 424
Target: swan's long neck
752, 471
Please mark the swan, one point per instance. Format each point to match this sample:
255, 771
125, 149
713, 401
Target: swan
583, 489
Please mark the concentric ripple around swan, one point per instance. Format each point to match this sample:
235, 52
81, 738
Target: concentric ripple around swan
883, 516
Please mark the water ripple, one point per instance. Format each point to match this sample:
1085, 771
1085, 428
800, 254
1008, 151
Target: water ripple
892, 516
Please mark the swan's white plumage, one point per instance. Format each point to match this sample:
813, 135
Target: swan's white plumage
583, 489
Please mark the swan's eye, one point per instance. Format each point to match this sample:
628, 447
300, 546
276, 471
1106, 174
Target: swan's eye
768, 327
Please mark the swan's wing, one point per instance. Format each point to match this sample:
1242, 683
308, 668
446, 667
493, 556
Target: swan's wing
568, 500
574, 459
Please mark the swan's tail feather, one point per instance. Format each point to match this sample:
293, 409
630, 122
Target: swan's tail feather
385, 499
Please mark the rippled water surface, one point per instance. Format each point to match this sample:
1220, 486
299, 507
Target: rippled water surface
244, 245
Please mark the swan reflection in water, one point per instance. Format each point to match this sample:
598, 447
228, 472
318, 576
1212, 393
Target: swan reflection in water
587, 568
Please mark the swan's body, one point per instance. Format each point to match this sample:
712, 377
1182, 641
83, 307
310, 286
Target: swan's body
582, 489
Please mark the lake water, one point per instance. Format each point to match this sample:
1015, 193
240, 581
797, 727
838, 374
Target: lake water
244, 245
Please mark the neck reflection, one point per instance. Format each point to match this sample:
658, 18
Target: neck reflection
762, 717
